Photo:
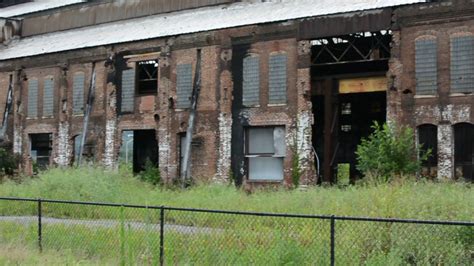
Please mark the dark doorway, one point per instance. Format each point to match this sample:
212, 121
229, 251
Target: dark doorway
41, 147
428, 140
348, 94
464, 151
145, 148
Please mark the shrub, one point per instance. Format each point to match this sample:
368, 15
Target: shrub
8, 162
151, 174
389, 151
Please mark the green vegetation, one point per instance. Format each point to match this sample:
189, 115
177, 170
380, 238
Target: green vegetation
403, 198
8, 163
389, 152
114, 235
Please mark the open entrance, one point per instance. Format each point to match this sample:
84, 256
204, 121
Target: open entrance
464, 151
349, 93
139, 147
41, 147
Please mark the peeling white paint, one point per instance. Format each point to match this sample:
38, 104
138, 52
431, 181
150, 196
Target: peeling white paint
224, 156
445, 151
304, 143
64, 149
17, 140
453, 113
164, 152
109, 151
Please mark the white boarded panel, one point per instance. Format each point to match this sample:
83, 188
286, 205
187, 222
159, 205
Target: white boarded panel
260, 140
32, 98
251, 81
48, 97
277, 81
78, 93
128, 91
266, 168
184, 85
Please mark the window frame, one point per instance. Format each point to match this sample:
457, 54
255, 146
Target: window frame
248, 156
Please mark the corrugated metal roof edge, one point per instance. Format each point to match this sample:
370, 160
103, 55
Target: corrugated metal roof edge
194, 32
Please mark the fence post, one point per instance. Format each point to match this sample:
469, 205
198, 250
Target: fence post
40, 229
162, 234
333, 225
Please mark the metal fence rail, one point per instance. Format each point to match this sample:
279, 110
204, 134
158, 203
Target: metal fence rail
137, 234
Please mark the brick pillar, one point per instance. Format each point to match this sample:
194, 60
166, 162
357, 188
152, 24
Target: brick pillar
304, 115
64, 143
110, 144
225, 118
445, 151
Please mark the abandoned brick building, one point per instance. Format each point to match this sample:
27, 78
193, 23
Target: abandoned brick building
238, 89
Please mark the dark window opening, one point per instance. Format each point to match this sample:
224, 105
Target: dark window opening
265, 151
428, 140
41, 147
464, 151
147, 77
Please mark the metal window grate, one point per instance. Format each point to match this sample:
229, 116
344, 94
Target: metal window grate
128, 90
48, 97
32, 98
426, 66
78, 93
184, 85
251, 81
278, 79
462, 64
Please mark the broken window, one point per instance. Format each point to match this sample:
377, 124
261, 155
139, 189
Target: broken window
428, 140
464, 151
48, 97
147, 77
78, 93
251, 81
426, 66
184, 85
265, 152
127, 102
462, 64
277, 82
40, 152
32, 98
88, 152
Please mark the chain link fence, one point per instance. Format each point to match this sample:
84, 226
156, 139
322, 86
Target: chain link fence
152, 235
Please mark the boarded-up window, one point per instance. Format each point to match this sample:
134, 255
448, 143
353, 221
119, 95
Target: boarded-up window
48, 97
426, 62
277, 82
428, 140
184, 85
32, 98
251, 81
128, 91
462, 64
265, 152
78, 94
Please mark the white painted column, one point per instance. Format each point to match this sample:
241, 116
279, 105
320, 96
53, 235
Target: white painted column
445, 151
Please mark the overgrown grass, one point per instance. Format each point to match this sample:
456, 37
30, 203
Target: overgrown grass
408, 199
115, 235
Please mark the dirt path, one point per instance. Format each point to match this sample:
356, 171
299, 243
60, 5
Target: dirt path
28, 220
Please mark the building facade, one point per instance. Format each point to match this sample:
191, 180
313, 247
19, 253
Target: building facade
283, 84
